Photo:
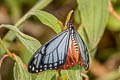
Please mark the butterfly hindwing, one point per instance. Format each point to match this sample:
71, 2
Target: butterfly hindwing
51, 55
71, 55
83, 51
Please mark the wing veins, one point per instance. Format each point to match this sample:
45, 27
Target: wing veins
57, 46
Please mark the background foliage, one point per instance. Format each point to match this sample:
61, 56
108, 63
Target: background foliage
26, 25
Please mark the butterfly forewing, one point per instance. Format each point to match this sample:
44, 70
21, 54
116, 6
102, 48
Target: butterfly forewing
51, 55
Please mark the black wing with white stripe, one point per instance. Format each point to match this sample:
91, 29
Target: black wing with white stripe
47, 56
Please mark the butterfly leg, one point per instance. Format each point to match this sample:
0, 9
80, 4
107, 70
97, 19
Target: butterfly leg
80, 62
59, 71
70, 61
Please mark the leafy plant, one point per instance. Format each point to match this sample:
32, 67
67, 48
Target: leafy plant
94, 18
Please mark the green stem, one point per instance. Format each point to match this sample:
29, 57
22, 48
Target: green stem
9, 53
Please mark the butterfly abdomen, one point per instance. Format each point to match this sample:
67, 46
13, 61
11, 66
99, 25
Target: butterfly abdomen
76, 52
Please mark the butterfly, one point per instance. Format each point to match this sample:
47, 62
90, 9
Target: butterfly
61, 52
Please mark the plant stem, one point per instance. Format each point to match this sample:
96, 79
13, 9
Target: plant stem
9, 53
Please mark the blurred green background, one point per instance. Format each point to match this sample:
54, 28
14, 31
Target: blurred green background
107, 57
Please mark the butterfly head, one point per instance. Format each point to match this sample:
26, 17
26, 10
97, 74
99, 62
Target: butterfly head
70, 25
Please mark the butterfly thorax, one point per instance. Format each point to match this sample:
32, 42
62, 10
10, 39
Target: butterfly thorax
73, 36
70, 26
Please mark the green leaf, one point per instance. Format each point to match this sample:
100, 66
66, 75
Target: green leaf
32, 45
113, 23
84, 36
20, 72
74, 74
77, 16
46, 75
29, 42
94, 15
41, 4
9, 37
46, 18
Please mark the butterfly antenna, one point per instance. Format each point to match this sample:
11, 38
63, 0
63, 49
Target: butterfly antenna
68, 18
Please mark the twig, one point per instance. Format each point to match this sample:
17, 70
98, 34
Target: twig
112, 11
9, 53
